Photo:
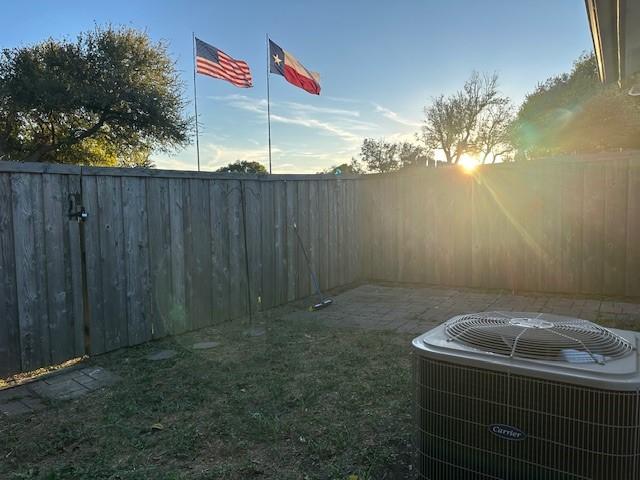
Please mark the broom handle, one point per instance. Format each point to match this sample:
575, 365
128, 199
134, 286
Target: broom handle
313, 275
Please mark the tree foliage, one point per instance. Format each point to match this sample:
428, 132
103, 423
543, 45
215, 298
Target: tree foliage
494, 131
243, 166
574, 112
380, 156
108, 97
354, 167
472, 120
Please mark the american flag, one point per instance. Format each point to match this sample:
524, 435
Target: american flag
217, 64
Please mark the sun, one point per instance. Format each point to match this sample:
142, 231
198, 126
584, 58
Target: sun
468, 163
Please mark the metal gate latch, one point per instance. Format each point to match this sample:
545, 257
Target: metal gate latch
76, 210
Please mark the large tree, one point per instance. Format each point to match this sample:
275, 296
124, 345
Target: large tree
380, 156
575, 112
354, 167
243, 166
107, 97
413, 155
452, 123
493, 136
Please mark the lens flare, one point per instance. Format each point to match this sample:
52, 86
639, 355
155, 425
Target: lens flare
468, 163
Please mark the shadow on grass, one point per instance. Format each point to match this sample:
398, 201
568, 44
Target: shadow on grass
300, 401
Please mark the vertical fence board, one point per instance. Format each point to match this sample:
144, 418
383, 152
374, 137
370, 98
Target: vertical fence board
572, 195
178, 314
253, 198
136, 254
462, 231
386, 268
512, 188
59, 287
333, 277
95, 296
312, 240
280, 242
323, 235
73, 253
444, 209
370, 235
427, 216
218, 193
292, 242
10, 360
593, 229
348, 228
268, 246
402, 247
112, 264
551, 228
237, 274
26, 191
479, 257
303, 231
159, 255
502, 233
353, 256
616, 184
632, 281
197, 253
412, 238
532, 221
341, 255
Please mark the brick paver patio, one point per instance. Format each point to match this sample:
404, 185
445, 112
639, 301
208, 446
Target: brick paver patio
65, 385
378, 307
415, 310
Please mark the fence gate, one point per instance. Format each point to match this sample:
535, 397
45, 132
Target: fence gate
41, 301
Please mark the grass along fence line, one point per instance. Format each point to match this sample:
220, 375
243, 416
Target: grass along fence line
301, 402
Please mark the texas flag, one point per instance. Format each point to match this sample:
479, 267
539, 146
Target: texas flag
285, 64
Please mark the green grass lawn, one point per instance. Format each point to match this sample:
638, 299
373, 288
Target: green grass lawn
301, 402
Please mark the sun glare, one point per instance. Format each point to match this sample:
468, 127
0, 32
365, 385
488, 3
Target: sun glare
468, 163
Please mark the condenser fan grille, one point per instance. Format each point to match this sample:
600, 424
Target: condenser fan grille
539, 336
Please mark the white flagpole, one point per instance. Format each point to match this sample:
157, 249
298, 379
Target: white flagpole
268, 102
195, 100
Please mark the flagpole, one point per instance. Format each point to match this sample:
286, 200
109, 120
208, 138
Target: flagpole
268, 102
195, 100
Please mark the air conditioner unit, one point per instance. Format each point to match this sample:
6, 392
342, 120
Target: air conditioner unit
526, 396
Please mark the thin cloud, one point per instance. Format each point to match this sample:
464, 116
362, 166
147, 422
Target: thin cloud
317, 124
305, 107
215, 155
401, 137
300, 114
391, 115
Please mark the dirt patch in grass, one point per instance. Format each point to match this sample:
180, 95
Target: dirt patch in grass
302, 401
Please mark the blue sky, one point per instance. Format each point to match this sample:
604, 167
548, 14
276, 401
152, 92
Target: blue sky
380, 63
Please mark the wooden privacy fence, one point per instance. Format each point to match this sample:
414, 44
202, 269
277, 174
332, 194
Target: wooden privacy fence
556, 225
168, 252
165, 252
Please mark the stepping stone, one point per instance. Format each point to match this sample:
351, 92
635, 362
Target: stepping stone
204, 345
255, 332
33, 403
14, 407
161, 355
62, 389
103, 376
14, 393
